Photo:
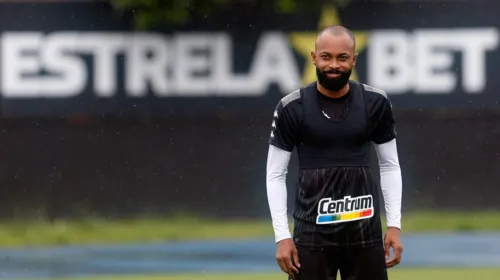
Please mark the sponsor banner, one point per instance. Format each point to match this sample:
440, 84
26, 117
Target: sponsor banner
344, 210
114, 70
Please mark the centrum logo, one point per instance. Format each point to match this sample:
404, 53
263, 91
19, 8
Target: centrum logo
344, 210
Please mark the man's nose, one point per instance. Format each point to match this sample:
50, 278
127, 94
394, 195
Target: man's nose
334, 64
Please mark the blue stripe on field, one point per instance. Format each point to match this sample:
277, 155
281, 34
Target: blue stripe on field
439, 250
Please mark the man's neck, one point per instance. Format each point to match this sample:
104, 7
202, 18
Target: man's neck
333, 94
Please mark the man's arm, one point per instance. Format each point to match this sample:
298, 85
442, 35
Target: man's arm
277, 167
283, 139
383, 136
390, 181
286, 252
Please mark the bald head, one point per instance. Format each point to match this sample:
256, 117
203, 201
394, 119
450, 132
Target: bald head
335, 31
334, 57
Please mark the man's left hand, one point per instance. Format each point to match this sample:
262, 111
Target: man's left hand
393, 239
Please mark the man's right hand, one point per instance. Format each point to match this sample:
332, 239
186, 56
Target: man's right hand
285, 253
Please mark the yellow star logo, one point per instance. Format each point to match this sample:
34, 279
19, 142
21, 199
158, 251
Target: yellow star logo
303, 42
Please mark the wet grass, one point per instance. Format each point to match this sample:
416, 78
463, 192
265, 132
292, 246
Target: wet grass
95, 231
394, 274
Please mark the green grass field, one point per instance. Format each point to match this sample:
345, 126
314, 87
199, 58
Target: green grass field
97, 231
395, 274
32, 233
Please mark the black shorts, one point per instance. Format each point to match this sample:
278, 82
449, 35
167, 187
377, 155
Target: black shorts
353, 263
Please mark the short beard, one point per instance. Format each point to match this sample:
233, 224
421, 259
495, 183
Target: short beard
333, 84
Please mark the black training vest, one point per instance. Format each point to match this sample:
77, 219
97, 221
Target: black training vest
334, 143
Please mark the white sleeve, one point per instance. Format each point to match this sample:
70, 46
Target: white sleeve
390, 181
277, 167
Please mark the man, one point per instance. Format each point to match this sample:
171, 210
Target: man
332, 124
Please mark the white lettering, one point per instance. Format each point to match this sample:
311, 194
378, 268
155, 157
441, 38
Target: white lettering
474, 45
19, 59
147, 61
224, 81
200, 65
389, 61
193, 63
274, 63
104, 47
67, 71
422, 62
432, 66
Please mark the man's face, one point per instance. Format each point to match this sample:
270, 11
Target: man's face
334, 59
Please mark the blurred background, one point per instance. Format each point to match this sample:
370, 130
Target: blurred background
134, 133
